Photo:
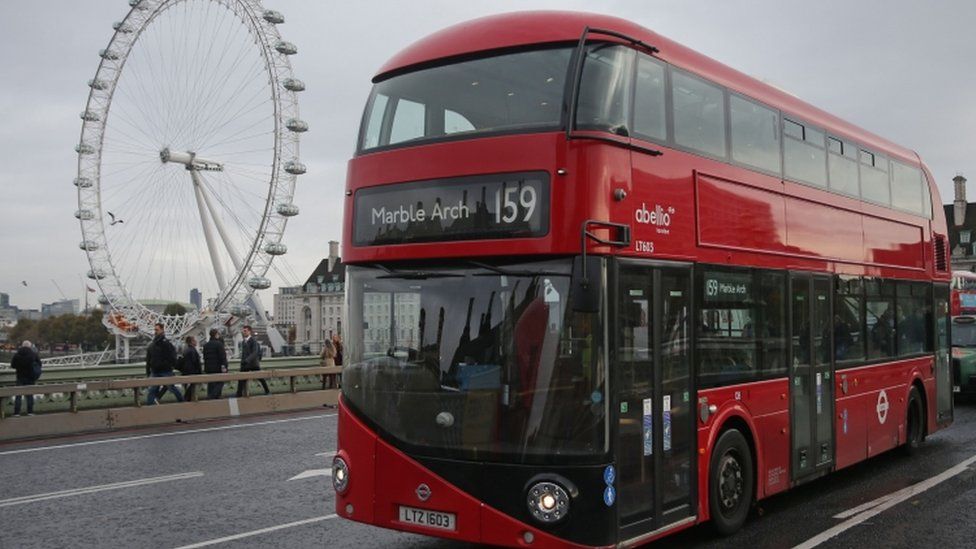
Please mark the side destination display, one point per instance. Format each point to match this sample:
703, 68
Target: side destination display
469, 208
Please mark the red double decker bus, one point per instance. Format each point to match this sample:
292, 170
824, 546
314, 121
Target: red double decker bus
963, 292
602, 288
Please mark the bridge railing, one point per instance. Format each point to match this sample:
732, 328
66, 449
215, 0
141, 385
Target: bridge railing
138, 386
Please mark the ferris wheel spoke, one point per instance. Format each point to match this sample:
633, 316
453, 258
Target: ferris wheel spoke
219, 118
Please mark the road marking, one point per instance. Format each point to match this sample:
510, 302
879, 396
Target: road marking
93, 489
166, 434
862, 513
258, 532
325, 454
313, 473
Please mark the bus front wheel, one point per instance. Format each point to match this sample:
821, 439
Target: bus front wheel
730, 482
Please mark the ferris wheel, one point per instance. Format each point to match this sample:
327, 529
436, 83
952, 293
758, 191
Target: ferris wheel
187, 161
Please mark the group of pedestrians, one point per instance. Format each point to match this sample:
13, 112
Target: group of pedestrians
27, 366
162, 360
332, 351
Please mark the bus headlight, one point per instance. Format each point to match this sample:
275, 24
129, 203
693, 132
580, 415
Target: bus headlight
548, 502
340, 474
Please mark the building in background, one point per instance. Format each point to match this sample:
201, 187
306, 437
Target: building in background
314, 310
58, 308
196, 298
961, 220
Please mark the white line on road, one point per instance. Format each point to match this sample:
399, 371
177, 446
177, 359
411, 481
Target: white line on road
92, 489
325, 454
257, 532
870, 509
166, 434
312, 473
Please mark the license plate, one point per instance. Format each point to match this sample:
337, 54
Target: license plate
429, 519
956, 389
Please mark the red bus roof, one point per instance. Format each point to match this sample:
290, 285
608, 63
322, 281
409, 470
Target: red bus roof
539, 27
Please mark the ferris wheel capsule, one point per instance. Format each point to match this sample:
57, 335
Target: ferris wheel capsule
84, 148
259, 282
103, 300
96, 274
108, 55
287, 210
96, 84
286, 48
273, 17
83, 182
293, 84
90, 116
240, 311
121, 27
276, 248
84, 215
88, 245
295, 167
296, 125
138, 5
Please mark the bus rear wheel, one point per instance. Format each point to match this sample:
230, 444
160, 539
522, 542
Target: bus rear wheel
730, 482
914, 422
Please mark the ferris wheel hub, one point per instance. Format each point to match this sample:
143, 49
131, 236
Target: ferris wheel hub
190, 160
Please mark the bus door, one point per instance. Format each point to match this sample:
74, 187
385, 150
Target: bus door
811, 375
654, 442
943, 374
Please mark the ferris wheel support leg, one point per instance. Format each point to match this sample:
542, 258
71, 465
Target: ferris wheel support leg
207, 232
238, 264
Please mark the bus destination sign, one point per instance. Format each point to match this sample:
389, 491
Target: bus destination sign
468, 208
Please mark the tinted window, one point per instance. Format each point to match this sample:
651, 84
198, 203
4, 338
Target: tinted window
805, 158
649, 100
906, 188
515, 91
914, 318
741, 325
849, 320
880, 321
755, 141
842, 170
874, 181
604, 97
699, 114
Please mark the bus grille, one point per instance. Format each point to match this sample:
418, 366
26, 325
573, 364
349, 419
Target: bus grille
940, 253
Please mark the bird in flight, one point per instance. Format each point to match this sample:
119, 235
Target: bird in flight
114, 221
24, 282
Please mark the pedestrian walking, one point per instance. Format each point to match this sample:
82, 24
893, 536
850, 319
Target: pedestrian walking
337, 342
27, 365
328, 355
215, 362
191, 365
250, 360
160, 361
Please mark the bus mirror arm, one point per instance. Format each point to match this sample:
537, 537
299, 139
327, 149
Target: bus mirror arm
586, 295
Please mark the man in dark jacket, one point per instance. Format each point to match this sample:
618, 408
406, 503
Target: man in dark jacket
27, 365
191, 364
215, 362
160, 360
250, 360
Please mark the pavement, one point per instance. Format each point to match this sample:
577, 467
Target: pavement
263, 482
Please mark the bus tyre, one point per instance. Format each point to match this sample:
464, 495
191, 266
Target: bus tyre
730, 482
914, 422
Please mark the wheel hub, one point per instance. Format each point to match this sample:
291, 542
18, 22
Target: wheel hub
730, 482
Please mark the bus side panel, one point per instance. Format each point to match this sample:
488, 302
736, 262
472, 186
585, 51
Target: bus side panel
851, 425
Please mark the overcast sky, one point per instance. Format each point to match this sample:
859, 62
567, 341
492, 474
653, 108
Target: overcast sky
905, 70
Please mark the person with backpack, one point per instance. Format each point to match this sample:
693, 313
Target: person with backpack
189, 365
27, 365
250, 360
160, 361
215, 362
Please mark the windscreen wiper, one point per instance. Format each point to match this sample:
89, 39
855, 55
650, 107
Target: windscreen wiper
511, 272
413, 275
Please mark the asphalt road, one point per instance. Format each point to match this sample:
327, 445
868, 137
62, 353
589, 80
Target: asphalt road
227, 484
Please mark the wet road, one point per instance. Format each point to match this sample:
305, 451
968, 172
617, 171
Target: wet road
261, 482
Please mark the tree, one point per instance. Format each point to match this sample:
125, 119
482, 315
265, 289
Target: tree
174, 309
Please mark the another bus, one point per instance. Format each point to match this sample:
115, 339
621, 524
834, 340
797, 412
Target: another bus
963, 291
602, 288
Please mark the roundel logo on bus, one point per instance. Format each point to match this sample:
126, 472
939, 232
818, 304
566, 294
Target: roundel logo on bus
882, 406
